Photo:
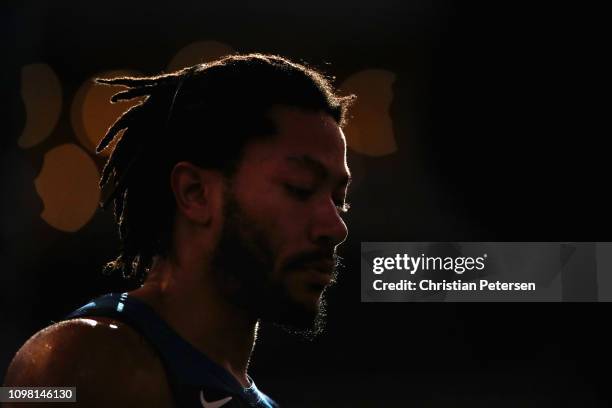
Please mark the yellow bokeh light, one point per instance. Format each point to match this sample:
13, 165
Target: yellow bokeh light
92, 113
68, 186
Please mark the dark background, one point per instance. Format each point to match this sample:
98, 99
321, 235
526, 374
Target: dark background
495, 117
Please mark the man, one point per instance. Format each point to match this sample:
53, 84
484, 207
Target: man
228, 184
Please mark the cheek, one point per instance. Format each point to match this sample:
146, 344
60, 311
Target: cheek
276, 217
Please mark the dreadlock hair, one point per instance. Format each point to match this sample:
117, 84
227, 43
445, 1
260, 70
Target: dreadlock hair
204, 114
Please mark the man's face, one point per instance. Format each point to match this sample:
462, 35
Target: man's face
276, 253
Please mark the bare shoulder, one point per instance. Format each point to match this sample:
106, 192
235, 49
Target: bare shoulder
108, 362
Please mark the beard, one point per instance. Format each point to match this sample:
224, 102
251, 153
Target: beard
244, 265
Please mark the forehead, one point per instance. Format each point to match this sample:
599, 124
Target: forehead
302, 133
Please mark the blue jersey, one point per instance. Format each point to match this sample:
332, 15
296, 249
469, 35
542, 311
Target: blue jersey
194, 379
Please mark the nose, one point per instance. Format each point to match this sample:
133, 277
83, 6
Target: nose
328, 227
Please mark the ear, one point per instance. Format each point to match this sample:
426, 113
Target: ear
197, 192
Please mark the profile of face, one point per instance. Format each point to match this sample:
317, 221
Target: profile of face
276, 253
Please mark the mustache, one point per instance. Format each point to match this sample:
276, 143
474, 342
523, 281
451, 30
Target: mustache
318, 257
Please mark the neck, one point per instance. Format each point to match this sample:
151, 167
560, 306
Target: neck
200, 314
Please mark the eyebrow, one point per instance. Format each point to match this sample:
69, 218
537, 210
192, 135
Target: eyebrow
318, 168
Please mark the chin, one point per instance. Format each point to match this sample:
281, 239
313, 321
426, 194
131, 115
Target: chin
296, 304
309, 298
306, 290
302, 314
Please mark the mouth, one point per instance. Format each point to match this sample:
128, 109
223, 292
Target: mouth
316, 273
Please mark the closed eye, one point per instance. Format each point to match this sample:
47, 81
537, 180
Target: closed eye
304, 194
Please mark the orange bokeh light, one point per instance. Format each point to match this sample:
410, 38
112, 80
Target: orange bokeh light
92, 112
370, 128
68, 186
41, 92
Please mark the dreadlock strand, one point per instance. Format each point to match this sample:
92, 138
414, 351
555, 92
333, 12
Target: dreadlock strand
121, 216
131, 94
120, 124
129, 82
134, 82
